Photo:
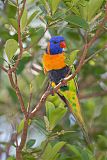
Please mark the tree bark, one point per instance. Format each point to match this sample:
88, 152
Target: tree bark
18, 154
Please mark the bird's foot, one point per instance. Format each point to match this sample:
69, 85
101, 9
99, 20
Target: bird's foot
52, 91
63, 82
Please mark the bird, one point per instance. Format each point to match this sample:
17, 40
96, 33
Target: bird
54, 64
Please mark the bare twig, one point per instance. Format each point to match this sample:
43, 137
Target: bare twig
13, 69
3, 68
23, 140
94, 54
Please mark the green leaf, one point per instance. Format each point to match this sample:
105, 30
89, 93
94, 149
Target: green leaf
47, 152
89, 10
28, 156
54, 5
74, 149
70, 58
13, 23
33, 15
56, 149
78, 21
46, 123
24, 20
50, 152
56, 115
11, 47
26, 57
30, 143
20, 126
12, 3
11, 158
49, 108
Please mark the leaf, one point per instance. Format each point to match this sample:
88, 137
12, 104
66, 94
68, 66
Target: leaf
30, 143
50, 152
46, 123
74, 149
89, 10
12, 94
49, 108
13, 23
24, 20
56, 115
11, 47
20, 126
47, 152
11, 158
12, 3
33, 15
54, 5
36, 34
26, 57
70, 58
56, 149
78, 21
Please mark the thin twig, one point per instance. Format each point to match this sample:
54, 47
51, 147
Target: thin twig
94, 54
3, 68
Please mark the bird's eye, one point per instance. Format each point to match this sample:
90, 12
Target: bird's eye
55, 42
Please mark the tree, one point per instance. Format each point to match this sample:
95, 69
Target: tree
25, 26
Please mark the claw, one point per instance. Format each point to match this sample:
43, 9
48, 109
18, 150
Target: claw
63, 82
52, 91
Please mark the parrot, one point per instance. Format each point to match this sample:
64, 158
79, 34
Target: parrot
54, 64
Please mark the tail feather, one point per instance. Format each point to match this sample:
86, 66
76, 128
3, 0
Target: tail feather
71, 99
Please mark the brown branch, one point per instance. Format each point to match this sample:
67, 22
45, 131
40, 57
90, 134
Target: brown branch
23, 140
13, 69
24, 134
94, 54
39, 105
19, 37
22, 9
85, 49
3, 68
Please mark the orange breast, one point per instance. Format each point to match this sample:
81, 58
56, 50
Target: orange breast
55, 62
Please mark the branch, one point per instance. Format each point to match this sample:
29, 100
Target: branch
19, 36
3, 68
24, 2
94, 54
85, 49
24, 134
13, 69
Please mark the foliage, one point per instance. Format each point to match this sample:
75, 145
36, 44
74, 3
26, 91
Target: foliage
52, 134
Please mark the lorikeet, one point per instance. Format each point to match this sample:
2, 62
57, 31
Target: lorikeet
54, 64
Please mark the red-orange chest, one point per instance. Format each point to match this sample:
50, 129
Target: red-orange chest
53, 62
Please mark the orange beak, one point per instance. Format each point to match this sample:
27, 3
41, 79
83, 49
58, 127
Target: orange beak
63, 44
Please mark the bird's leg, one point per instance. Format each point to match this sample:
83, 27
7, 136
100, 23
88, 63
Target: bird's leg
63, 82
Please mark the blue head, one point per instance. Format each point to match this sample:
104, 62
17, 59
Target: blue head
56, 45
